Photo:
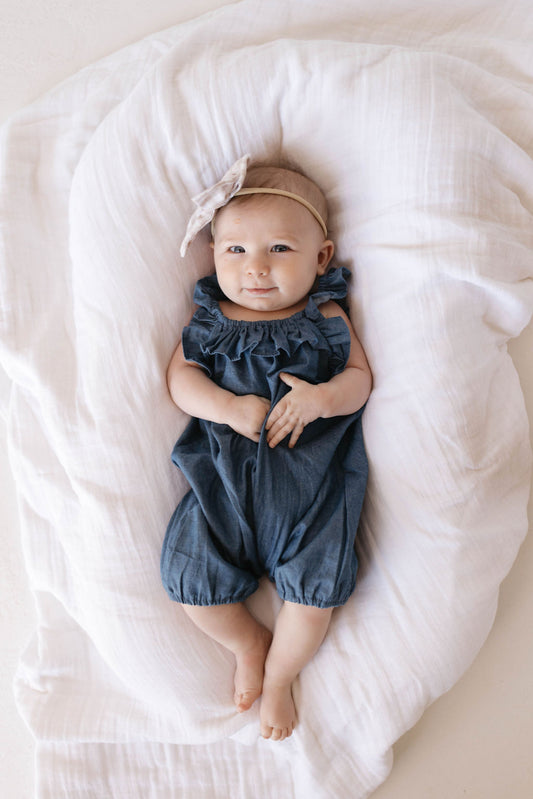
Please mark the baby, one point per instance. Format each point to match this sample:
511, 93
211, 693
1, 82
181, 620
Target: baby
275, 379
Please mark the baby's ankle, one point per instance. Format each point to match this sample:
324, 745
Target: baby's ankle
277, 676
258, 638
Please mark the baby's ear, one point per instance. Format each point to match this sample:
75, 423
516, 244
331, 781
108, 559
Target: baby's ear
325, 254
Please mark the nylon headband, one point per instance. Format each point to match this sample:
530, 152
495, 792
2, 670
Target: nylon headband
282, 193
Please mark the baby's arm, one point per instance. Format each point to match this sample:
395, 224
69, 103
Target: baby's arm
195, 393
345, 393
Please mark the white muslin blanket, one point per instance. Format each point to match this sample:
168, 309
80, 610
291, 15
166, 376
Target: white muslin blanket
417, 121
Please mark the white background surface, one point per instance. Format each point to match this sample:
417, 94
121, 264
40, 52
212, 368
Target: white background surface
475, 742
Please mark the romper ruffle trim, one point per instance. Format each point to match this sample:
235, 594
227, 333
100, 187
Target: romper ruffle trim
211, 333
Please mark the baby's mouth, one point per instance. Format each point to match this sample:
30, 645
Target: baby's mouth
257, 292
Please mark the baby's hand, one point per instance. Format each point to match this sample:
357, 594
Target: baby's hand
297, 408
246, 415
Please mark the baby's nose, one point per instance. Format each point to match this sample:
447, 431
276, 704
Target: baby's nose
257, 266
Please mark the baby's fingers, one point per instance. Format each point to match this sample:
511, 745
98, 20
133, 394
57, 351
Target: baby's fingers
277, 434
296, 433
275, 415
280, 429
275, 427
274, 440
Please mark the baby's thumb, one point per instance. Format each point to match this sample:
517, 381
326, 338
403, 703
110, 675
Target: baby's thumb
289, 380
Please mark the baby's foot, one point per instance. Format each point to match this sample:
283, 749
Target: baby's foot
250, 669
278, 714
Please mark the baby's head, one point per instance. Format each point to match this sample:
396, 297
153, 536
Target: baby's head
270, 241
285, 181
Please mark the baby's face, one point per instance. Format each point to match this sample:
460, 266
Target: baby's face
268, 252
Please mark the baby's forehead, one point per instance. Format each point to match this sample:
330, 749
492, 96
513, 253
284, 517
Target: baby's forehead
257, 209
265, 202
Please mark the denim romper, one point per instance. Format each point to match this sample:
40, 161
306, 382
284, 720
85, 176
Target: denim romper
291, 514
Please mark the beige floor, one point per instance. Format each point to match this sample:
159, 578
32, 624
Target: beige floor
475, 742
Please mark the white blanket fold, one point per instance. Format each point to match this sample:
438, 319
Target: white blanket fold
420, 132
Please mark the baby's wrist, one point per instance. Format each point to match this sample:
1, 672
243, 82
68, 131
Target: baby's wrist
226, 407
325, 399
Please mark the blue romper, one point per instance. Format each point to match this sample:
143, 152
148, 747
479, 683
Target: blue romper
289, 513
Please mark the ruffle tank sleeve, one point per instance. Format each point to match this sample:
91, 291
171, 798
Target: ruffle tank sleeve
333, 285
203, 325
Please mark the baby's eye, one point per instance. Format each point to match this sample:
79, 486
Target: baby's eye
279, 248
236, 248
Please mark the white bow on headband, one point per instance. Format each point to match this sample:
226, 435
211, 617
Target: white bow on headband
212, 199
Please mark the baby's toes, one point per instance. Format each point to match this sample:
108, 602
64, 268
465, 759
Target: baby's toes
245, 699
266, 731
286, 732
276, 733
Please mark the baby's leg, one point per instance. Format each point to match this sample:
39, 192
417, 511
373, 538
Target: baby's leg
300, 629
234, 627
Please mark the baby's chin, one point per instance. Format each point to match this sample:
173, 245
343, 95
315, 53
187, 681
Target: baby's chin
271, 302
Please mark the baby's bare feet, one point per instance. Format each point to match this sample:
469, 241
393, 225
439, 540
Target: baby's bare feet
278, 714
250, 670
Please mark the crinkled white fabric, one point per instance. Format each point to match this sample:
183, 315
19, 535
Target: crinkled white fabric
418, 124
